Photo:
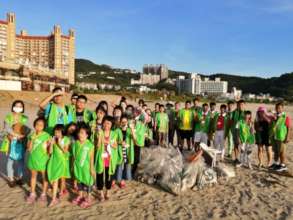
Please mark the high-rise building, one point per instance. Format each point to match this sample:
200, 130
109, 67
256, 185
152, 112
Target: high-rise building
55, 52
160, 69
195, 85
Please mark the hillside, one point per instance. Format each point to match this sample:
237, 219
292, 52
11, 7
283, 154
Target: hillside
277, 86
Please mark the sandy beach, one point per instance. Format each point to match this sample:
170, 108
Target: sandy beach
252, 194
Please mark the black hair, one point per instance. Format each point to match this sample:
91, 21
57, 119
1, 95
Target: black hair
16, 102
74, 95
280, 104
177, 103
205, 104
196, 99
101, 108
57, 89
82, 97
84, 126
230, 102
130, 106
223, 106
108, 118
102, 103
39, 119
59, 127
141, 101
118, 107
240, 101
213, 104
188, 101
162, 106
157, 104
144, 105
123, 99
247, 113
68, 126
123, 116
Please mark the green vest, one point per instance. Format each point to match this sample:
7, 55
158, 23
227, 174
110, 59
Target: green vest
280, 129
140, 132
9, 119
245, 134
237, 116
130, 149
99, 161
82, 164
183, 119
203, 123
58, 164
53, 116
38, 156
88, 116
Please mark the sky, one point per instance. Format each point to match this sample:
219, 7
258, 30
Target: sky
245, 37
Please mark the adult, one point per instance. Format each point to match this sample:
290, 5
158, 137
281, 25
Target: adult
13, 144
262, 135
55, 110
81, 114
185, 118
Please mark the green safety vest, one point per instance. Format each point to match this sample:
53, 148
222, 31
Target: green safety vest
58, 164
280, 129
245, 133
130, 149
88, 116
140, 131
38, 156
10, 120
82, 164
53, 116
203, 124
182, 114
99, 161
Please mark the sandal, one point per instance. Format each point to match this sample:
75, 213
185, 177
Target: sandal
122, 184
86, 204
63, 193
54, 202
31, 198
77, 200
43, 198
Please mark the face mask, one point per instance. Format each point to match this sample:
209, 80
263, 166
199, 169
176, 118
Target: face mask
17, 109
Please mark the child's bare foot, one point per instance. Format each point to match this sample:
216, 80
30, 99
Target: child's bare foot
43, 198
54, 202
31, 199
107, 197
101, 196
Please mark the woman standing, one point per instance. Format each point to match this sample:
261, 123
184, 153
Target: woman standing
13, 144
262, 128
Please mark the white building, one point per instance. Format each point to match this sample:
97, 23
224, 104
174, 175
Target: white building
196, 86
87, 85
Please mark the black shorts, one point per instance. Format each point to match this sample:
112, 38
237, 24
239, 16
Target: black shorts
84, 188
186, 134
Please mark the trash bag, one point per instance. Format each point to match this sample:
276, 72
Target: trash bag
191, 173
162, 166
207, 178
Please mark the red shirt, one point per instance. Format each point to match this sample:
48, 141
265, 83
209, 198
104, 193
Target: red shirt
220, 123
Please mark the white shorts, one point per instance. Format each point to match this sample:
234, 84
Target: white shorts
219, 141
200, 137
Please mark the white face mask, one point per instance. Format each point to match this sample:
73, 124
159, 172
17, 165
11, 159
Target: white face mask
17, 109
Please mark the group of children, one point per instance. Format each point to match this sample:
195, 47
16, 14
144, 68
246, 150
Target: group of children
96, 151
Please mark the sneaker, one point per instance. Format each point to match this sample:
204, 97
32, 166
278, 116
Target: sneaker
273, 166
281, 168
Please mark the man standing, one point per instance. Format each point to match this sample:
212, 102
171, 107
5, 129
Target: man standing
280, 134
81, 114
185, 119
230, 144
55, 111
237, 116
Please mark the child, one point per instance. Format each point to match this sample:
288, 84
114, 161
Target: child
220, 128
38, 145
83, 166
149, 128
58, 165
213, 116
105, 161
96, 125
281, 130
246, 139
14, 141
71, 131
202, 125
126, 151
162, 125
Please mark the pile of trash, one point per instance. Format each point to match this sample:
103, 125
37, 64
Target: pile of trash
168, 168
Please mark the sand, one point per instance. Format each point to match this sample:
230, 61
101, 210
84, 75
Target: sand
252, 194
